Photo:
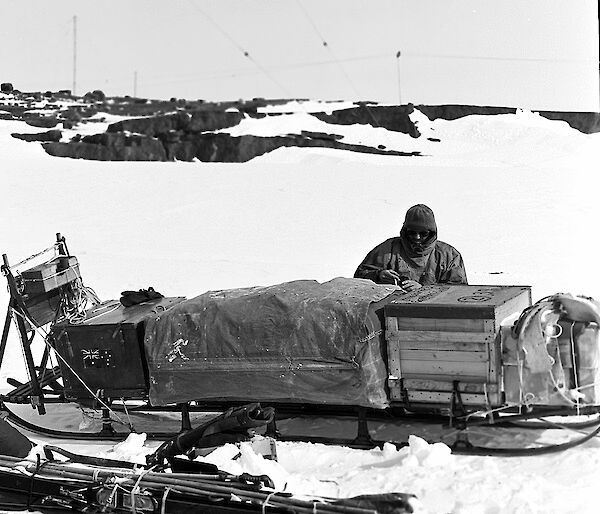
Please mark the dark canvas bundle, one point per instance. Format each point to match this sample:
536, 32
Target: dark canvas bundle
300, 341
129, 298
12, 442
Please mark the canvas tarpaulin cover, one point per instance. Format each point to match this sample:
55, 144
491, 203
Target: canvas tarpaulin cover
301, 341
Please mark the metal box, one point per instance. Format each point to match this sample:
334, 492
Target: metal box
105, 350
445, 339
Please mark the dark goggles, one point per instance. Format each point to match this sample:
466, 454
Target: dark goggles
423, 234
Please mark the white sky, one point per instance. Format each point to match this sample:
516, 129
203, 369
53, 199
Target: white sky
540, 54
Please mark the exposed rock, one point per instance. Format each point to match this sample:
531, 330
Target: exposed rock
198, 121
320, 135
50, 135
225, 148
203, 121
586, 122
394, 118
182, 146
453, 112
157, 133
79, 151
152, 126
110, 147
95, 96
71, 115
42, 121
6, 87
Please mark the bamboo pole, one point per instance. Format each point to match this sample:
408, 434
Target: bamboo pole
184, 483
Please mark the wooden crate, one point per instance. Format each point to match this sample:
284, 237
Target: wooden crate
106, 349
443, 337
50, 275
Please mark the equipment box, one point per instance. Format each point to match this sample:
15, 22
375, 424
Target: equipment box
50, 275
106, 351
443, 343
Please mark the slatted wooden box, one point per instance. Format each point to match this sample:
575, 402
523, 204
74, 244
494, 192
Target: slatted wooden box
50, 275
442, 336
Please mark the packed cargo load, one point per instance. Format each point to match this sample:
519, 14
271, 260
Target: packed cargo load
301, 342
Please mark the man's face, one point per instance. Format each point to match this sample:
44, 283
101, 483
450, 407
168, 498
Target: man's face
418, 236
418, 239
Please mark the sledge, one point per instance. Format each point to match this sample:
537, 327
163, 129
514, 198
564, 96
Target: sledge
471, 355
49, 479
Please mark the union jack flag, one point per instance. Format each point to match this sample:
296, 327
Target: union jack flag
91, 355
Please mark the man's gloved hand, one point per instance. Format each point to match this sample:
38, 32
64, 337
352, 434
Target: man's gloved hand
410, 285
389, 276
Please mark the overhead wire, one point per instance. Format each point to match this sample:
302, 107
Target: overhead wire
337, 61
268, 71
328, 48
245, 52
219, 75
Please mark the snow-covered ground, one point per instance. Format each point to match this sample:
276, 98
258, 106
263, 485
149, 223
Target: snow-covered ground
516, 194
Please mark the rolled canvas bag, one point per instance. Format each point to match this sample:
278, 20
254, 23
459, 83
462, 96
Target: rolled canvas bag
12, 442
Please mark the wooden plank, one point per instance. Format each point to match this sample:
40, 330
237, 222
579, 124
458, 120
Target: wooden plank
432, 345
441, 355
444, 378
515, 304
447, 368
447, 325
445, 398
394, 362
490, 325
391, 325
461, 301
448, 386
441, 336
396, 395
450, 311
395, 390
494, 361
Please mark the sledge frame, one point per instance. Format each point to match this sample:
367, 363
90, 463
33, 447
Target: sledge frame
42, 386
426, 392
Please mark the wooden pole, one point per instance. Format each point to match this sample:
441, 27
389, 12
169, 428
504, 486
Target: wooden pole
74, 55
398, 54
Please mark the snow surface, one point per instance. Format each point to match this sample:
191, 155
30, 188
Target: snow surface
516, 194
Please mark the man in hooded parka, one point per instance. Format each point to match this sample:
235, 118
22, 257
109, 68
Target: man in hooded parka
416, 258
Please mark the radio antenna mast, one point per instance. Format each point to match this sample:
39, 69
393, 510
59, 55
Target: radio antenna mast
398, 54
74, 54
